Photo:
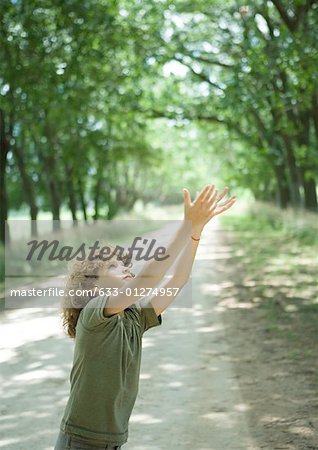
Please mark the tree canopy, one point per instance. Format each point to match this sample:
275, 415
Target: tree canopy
104, 102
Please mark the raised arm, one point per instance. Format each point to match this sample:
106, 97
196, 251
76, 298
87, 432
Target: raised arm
218, 207
182, 267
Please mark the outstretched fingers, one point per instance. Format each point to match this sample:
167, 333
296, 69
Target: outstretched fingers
233, 198
226, 205
223, 193
213, 199
214, 211
206, 193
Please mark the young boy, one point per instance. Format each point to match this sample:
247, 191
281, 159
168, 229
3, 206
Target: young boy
108, 329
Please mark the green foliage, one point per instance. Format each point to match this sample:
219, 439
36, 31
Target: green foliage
105, 102
251, 222
71, 82
265, 219
254, 69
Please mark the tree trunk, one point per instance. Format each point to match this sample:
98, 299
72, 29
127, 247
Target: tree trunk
71, 193
286, 187
293, 172
282, 185
55, 205
4, 148
82, 197
308, 180
111, 203
49, 162
314, 114
97, 193
99, 186
28, 188
54, 190
54, 193
310, 194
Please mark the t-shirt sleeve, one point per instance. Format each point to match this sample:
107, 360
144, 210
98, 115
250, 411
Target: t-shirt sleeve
148, 316
92, 315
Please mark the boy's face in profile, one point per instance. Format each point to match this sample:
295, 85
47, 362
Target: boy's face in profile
115, 275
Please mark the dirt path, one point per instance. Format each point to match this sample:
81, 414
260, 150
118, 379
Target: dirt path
270, 319
188, 398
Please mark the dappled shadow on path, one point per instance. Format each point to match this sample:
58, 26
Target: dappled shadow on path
268, 299
34, 378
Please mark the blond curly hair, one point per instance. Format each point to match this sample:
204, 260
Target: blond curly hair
82, 276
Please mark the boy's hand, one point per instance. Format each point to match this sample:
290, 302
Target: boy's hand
205, 206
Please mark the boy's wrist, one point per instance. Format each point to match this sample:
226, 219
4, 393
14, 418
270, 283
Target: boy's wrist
196, 229
196, 232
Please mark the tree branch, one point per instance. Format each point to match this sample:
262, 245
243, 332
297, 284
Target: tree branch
208, 61
268, 20
289, 22
209, 119
301, 11
198, 74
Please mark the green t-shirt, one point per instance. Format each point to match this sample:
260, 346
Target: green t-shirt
105, 373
